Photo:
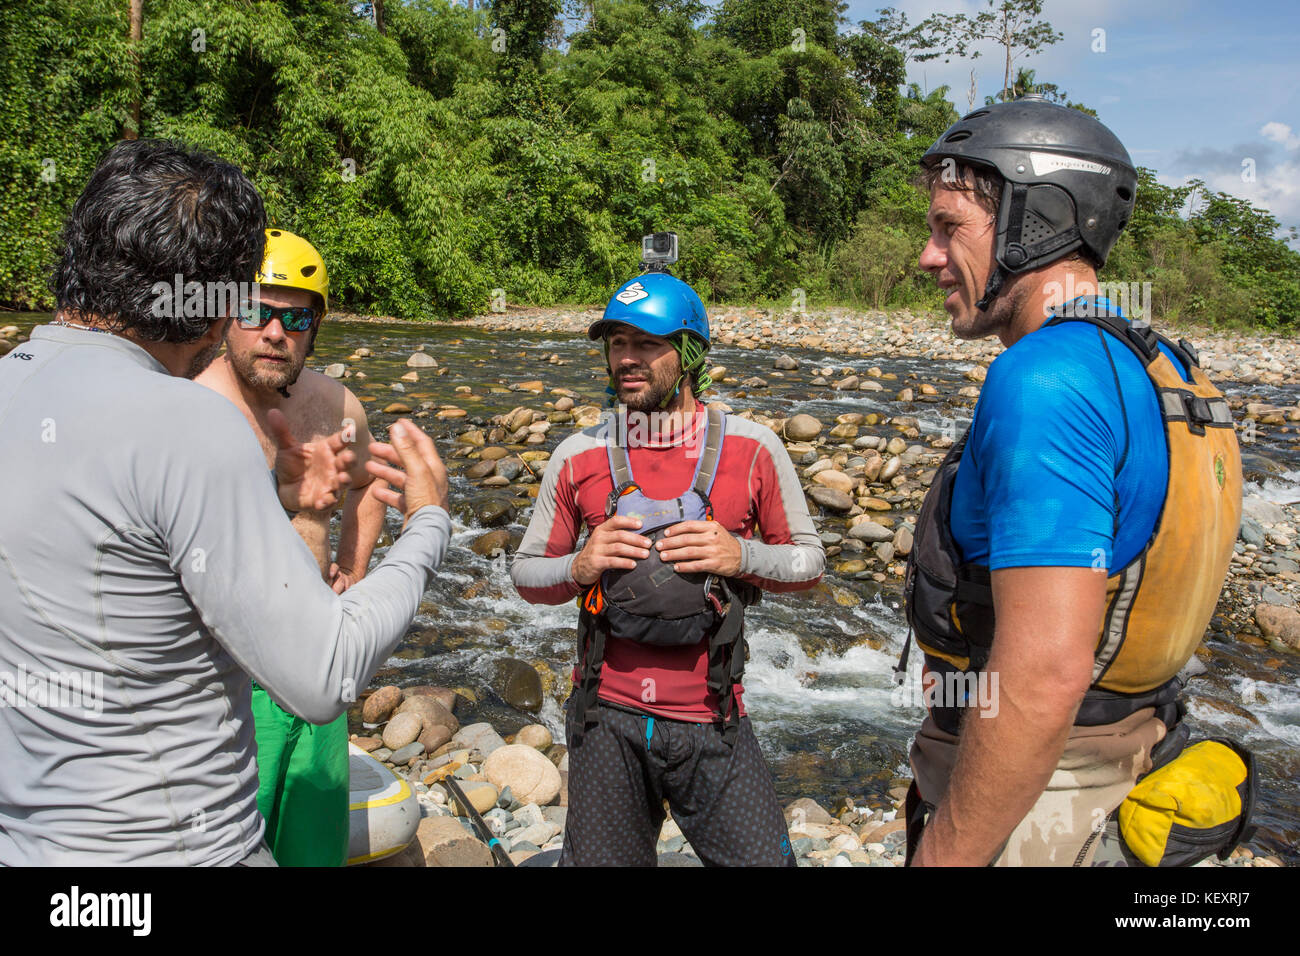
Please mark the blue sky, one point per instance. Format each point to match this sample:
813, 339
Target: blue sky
1192, 88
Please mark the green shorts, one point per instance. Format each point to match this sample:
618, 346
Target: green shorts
302, 772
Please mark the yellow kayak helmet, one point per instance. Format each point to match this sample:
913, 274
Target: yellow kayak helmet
294, 262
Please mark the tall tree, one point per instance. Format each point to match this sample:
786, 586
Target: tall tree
1013, 25
760, 27
525, 26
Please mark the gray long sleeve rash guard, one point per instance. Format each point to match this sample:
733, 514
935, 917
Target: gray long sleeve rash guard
146, 571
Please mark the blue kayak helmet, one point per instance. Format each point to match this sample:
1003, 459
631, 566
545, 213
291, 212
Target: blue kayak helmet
663, 305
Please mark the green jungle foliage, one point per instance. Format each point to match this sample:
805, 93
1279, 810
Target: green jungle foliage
462, 151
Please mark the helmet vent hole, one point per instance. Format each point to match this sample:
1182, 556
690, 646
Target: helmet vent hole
1125, 193
275, 232
1035, 229
977, 114
958, 136
308, 270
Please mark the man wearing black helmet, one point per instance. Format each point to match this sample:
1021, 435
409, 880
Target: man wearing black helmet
1074, 541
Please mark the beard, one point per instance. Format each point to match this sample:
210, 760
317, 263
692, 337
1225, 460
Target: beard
202, 361
246, 368
981, 324
998, 316
651, 397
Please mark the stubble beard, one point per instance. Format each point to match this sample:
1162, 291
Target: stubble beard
205, 358
201, 361
652, 398
982, 323
245, 367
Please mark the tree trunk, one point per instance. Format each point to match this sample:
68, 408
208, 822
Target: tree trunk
1006, 77
132, 131
379, 15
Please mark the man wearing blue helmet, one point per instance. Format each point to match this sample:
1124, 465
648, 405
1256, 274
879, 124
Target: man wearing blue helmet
663, 307
671, 494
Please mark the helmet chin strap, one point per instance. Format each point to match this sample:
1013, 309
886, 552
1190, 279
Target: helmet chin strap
686, 362
677, 387
993, 288
284, 389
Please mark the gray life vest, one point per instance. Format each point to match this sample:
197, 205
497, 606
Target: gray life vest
653, 603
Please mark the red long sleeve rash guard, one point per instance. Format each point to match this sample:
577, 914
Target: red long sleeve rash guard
756, 490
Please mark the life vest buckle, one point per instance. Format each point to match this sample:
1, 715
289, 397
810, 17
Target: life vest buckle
1198, 409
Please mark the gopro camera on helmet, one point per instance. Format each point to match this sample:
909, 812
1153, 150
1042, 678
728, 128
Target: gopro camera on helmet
658, 251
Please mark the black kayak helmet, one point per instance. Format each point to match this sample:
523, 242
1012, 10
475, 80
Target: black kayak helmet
1069, 181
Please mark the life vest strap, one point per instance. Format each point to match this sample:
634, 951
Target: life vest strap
706, 466
707, 469
592, 632
725, 641
1141, 339
1200, 413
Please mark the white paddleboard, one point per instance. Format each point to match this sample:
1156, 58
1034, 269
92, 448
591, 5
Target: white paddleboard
383, 813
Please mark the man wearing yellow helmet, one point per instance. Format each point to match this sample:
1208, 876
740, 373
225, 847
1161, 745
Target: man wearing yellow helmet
302, 768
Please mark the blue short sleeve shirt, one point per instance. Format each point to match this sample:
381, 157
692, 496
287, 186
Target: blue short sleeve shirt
1066, 464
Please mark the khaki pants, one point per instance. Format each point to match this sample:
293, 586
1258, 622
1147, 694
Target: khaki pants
1099, 767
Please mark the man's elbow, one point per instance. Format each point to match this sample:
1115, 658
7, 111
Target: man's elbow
557, 595
1051, 697
315, 708
810, 565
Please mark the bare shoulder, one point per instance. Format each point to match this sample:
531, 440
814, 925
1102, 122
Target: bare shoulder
317, 406
319, 387
218, 377
352, 406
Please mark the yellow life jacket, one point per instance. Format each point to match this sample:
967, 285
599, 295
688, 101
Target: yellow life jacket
1157, 606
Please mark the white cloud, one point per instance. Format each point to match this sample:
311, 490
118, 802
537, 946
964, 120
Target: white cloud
1276, 187
1280, 133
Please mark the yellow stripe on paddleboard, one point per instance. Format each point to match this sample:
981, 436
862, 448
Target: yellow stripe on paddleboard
404, 791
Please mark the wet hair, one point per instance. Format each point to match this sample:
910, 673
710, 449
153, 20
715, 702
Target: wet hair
984, 184
153, 210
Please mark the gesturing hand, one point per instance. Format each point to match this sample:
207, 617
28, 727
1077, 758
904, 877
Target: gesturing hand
611, 545
424, 478
342, 578
700, 546
311, 476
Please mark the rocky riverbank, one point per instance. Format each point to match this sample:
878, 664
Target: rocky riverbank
518, 784
866, 473
870, 470
1246, 357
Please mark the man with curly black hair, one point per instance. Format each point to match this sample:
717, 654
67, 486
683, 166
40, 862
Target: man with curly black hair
144, 556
